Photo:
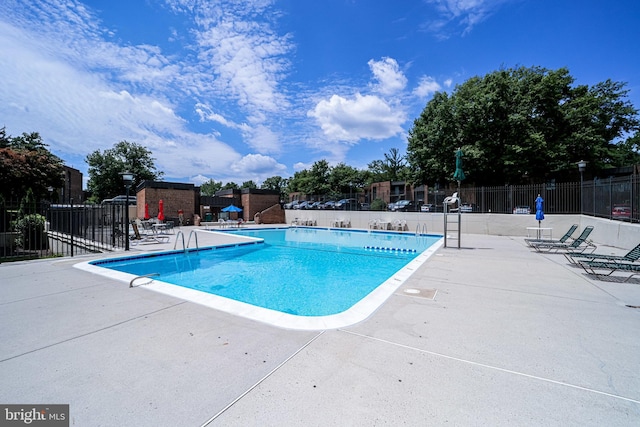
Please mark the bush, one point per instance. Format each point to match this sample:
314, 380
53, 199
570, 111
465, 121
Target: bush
31, 234
378, 205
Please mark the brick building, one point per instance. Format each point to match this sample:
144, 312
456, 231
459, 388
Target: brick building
178, 197
175, 196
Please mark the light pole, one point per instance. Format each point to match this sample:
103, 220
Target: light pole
582, 165
127, 179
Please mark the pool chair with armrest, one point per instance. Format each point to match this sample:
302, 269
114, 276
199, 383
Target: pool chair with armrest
632, 256
579, 245
562, 239
146, 238
607, 268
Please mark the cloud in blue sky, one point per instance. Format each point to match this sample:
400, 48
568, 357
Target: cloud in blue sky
224, 89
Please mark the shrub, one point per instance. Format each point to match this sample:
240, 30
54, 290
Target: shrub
378, 205
31, 234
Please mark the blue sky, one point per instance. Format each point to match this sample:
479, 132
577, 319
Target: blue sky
248, 89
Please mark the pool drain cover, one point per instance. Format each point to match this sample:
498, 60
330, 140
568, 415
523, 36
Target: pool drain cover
420, 293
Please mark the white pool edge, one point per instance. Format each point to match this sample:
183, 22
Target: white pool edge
357, 313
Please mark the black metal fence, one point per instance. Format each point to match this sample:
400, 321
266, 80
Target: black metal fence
51, 230
54, 230
612, 198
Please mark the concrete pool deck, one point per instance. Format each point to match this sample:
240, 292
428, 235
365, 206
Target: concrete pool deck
512, 337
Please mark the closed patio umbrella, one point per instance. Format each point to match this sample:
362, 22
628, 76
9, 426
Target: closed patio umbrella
539, 209
161, 210
458, 175
146, 211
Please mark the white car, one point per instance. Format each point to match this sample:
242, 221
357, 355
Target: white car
522, 210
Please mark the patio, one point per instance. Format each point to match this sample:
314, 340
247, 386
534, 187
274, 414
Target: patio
512, 337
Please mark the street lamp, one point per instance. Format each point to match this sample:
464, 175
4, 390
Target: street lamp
582, 165
127, 179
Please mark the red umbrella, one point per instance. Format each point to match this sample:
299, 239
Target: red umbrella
146, 211
160, 210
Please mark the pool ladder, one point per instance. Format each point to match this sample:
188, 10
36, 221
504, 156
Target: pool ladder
181, 234
424, 229
142, 277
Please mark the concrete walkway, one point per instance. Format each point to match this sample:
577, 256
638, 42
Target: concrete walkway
511, 338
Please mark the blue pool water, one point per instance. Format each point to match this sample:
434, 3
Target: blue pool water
300, 271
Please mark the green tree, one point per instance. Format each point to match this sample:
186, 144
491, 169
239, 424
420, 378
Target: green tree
393, 168
230, 186
26, 163
105, 168
249, 184
276, 183
210, 188
520, 125
345, 180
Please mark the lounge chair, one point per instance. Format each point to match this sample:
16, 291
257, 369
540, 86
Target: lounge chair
594, 267
579, 245
562, 239
632, 256
146, 238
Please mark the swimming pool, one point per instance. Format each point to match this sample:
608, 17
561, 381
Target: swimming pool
299, 278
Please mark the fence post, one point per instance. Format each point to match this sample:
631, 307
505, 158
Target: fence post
71, 224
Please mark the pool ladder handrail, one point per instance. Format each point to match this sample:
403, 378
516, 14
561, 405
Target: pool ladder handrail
424, 229
181, 234
142, 277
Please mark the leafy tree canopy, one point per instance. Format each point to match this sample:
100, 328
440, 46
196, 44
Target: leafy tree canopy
105, 168
276, 183
26, 163
521, 125
210, 188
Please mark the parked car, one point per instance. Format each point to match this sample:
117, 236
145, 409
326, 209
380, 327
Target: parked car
347, 204
427, 207
303, 205
390, 206
291, 204
316, 205
404, 206
120, 200
621, 212
524, 210
329, 205
365, 206
466, 207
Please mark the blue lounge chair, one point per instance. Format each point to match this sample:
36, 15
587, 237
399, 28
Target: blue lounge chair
579, 245
563, 239
610, 267
632, 256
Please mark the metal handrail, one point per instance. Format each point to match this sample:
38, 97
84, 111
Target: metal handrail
140, 277
193, 232
180, 233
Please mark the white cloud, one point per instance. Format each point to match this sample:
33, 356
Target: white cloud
368, 117
426, 87
256, 167
448, 82
390, 80
462, 13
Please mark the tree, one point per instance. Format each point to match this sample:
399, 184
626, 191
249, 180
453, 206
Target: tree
210, 188
249, 184
392, 168
26, 163
276, 183
520, 125
230, 186
105, 168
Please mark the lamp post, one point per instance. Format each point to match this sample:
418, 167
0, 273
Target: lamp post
582, 165
127, 179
